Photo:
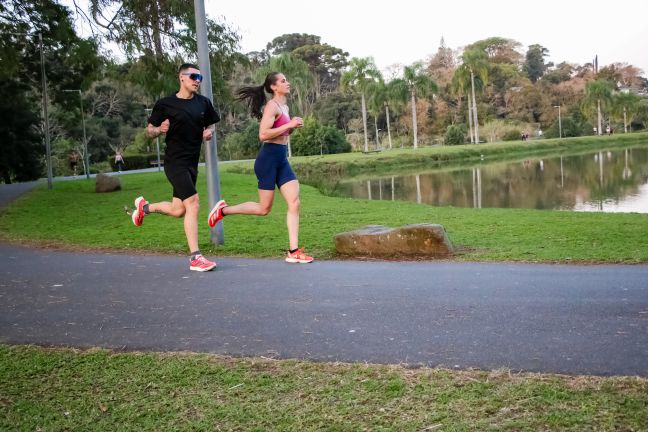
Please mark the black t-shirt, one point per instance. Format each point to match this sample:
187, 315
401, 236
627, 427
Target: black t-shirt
187, 120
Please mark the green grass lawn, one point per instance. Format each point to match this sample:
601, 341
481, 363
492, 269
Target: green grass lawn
57, 390
72, 214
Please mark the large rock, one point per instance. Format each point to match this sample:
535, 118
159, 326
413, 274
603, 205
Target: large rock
106, 183
424, 240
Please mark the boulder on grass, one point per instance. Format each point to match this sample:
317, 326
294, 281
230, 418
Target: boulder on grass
418, 240
106, 183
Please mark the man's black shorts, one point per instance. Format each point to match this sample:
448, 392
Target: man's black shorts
183, 180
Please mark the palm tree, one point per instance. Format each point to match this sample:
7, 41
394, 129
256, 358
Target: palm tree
476, 63
414, 82
361, 72
377, 99
298, 74
599, 92
460, 82
625, 104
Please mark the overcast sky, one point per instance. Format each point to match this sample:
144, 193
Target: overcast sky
404, 31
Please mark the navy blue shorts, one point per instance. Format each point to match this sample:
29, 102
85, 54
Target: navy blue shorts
271, 166
183, 180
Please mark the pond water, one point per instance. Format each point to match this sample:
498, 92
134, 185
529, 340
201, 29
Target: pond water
608, 181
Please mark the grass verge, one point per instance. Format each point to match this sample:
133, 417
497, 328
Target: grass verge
61, 389
73, 215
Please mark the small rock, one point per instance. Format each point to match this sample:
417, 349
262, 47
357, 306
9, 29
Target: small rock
106, 183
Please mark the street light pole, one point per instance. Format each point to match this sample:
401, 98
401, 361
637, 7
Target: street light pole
48, 148
86, 156
211, 149
559, 121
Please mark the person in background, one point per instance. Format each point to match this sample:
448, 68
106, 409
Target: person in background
119, 161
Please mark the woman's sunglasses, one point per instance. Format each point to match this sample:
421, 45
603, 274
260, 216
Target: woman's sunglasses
194, 76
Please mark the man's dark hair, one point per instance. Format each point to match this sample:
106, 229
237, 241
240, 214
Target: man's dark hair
185, 66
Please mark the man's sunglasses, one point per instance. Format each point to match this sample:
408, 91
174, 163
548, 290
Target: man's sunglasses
194, 76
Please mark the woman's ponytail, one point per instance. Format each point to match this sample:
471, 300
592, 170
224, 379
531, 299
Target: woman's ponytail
255, 95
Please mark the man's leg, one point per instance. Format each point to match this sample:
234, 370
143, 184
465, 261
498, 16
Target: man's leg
191, 207
175, 208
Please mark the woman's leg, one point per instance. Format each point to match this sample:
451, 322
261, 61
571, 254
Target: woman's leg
262, 208
290, 192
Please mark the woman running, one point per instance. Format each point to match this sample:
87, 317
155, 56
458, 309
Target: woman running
271, 166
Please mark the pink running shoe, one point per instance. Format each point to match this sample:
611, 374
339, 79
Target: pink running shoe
298, 257
138, 214
216, 214
202, 264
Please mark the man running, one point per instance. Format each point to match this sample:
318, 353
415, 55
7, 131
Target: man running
187, 119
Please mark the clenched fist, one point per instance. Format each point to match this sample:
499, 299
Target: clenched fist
207, 134
164, 126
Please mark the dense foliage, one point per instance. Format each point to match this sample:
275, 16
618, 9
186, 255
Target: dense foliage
492, 90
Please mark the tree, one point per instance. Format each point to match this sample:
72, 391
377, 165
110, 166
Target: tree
325, 63
337, 109
300, 78
455, 134
442, 65
147, 27
377, 100
21, 150
315, 138
70, 63
598, 93
149, 30
625, 105
475, 65
497, 50
414, 83
561, 73
534, 65
623, 74
287, 43
460, 85
361, 72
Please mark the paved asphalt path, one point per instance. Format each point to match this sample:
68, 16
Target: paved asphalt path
545, 318
548, 318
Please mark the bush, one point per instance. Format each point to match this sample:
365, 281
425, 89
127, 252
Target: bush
315, 138
570, 128
455, 134
512, 135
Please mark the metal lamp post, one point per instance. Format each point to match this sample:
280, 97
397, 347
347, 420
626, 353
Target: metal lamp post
211, 149
86, 156
48, 149
559, 121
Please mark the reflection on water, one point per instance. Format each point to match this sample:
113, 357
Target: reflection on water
609, 181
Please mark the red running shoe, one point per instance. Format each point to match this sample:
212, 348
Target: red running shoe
202, 264
216, 214
298, 257
138, 214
